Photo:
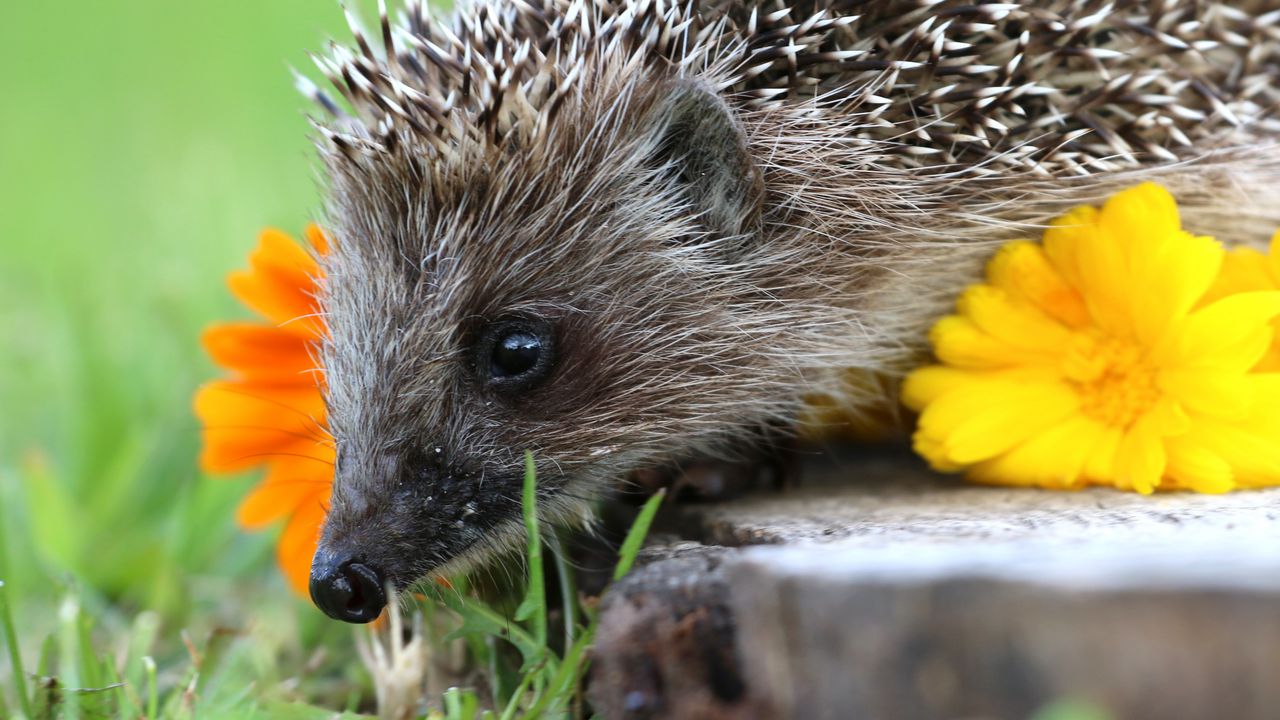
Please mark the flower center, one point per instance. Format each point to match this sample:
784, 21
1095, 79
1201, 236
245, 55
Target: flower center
1116, 383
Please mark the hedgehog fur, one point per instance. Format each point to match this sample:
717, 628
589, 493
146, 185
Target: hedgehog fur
721, 207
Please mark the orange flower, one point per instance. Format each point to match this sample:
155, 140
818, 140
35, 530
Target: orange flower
269, 411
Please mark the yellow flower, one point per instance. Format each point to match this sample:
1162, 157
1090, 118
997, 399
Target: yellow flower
270, 412
1098, 357
1246, 269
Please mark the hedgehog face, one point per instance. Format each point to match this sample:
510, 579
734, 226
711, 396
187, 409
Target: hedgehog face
584, 297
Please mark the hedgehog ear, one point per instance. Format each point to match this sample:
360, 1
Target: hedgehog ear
698, 135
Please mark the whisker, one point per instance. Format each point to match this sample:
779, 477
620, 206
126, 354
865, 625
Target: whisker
253, 456
303, 482
305, 416
301, 435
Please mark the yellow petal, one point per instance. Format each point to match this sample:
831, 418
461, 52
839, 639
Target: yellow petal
1022, 269
986, 418
1102, 267
1012, 322
1053, 458
960, 342
1100, 466
1249, 447
934, 452
1065, 238
1231, 334
927, 384
1169, 282
1140, 457
1211, 392
1243, 270
1195, 467
1140, 219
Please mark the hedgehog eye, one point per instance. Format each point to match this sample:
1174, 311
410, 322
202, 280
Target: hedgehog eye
515, 354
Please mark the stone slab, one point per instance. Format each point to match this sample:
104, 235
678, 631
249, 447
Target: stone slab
887, 499
880, 590
1183, 625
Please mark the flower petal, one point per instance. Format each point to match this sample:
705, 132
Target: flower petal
280, 283
1053, 458
1098, 266
1014, 323
986, 418
318, 239
1195, 467
248, 424
1243, 270
1140, 457
929, 383
1100, 466
1211, 392
297, 544
959, 341
1232, 334
1254, 456
1021, 268
1170, 281
290, 482
260, 352
1139, 220
1065, 238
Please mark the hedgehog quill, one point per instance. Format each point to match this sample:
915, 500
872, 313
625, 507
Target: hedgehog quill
635, 233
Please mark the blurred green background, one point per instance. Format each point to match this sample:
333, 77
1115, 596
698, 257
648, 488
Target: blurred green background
143, 144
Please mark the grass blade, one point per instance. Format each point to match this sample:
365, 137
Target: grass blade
636, 535
69, 651
153, 693
568, 588
15, 657
513, 705
478, 618
534, 607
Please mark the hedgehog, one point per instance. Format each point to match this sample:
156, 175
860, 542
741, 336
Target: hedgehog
630, 236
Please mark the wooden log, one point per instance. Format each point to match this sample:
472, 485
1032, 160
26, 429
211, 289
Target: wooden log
1159, 630
884, 591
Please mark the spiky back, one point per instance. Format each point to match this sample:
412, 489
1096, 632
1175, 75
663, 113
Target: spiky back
1060, 86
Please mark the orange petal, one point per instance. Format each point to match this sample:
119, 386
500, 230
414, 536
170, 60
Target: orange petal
280, 283
318, 239
261, 352
290, 482
250, 423
297, 545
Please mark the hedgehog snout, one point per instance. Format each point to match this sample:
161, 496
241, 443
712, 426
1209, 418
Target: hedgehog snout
346, 589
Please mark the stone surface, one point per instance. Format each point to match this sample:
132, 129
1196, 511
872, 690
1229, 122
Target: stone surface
1179, 625
883, 590
885, 499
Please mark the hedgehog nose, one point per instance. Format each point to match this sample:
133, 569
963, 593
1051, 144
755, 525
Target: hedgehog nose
347, 590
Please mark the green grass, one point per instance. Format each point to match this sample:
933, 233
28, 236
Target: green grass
548, 684
143, 145
78, 675
141, 150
